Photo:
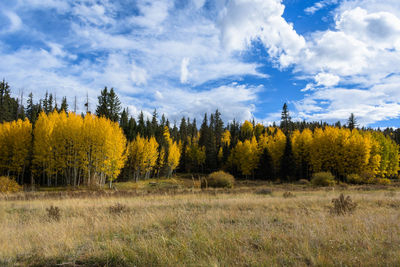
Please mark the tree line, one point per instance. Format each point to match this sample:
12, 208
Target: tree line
49, 145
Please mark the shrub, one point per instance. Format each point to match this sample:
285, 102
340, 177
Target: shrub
384, 181
288, 194
53, 213
303, 182
323, 179
118, 209
354, 178
264, 191
218, 179
342, 205
8, 185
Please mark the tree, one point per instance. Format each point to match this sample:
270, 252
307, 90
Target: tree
32, 110
109, 105
265, 168
352, 122
9, 106
172, 153
114, 105
288, 165
64, 104
286, 121
245, 156
301, 144
143, 154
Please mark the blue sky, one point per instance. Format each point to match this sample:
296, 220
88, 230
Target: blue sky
325, 58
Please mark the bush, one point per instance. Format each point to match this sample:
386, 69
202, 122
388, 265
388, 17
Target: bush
288, 194
354, 178
118, 209
303, 182
53, 213
342, 205
8, 185
264, 191
218, 179
323, 179
383, 181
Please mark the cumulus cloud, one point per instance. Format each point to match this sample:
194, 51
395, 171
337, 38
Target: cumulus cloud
243, 21
361, 52
185, 57
326, 79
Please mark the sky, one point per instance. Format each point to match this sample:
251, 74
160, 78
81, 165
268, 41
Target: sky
325, 58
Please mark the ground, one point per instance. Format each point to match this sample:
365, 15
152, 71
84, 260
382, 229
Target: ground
174, 223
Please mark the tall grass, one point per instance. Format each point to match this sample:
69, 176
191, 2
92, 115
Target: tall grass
203, 230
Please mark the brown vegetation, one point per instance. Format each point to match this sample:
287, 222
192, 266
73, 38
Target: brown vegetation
226, 228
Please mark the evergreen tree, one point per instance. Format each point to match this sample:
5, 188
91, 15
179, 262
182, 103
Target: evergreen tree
141, 127
64, 104
286, 123
204, 131
50, 103
154, 124
288, 164
9, 106
102, 107
265, 168
109, 105
124, 121
114, 105
131, 132
352, 122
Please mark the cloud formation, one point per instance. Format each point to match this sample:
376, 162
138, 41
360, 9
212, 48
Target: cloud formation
191, 57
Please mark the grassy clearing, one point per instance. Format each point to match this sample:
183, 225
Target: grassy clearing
203, 229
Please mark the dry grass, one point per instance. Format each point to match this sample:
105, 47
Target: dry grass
242, 229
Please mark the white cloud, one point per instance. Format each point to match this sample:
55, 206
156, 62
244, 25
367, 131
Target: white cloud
145, 56
319, 5
152, 13
326, 79
362, 51
243, 21
184, 70
233, 101
15, 22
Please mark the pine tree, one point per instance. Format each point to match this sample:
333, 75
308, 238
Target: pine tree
286, 123
288, 164
352, 122
124, 120
32, 110
64, 104
114, 105
141, 126
265, 168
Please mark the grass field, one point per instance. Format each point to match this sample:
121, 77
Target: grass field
240, 227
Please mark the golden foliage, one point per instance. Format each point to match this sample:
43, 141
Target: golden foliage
8, 185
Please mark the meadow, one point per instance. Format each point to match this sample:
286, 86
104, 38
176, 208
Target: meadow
158, 224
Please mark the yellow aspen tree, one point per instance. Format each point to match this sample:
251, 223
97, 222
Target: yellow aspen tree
246, 130
42, 147
173, 153
15, 145
143, 154
358, 153
245, 156
74, 148
301, 146
115, 151
275, 143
